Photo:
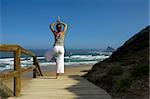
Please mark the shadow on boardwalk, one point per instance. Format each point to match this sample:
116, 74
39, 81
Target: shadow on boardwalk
84, 89
65, 87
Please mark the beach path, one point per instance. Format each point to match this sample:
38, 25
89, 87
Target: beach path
64, 87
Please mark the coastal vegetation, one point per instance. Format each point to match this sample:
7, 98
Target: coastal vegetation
126, 72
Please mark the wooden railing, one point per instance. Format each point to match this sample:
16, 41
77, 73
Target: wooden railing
18, 70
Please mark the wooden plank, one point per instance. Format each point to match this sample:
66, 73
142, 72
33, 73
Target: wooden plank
65, 87
8, 75
9, 45
38, 69
14, 47
14, 73
35, 71
17, 67
27, 52
4, 47
27, 69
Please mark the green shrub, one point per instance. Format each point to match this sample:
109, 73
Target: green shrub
117, 70
140, 70
3, 94
124, 83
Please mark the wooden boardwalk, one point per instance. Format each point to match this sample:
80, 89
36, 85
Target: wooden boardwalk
45, 87
64, 87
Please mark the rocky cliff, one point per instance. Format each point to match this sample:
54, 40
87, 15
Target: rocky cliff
126, 72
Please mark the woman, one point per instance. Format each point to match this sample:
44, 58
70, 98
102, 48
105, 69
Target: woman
58, 50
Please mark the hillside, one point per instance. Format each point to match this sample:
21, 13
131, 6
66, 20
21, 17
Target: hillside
109, 49
126, 72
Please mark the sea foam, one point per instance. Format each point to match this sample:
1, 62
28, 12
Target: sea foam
8, 63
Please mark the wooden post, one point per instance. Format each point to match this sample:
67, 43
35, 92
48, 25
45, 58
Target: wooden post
34, 70
38, 66
17, 67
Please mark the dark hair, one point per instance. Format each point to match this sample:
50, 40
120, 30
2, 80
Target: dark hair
58, 26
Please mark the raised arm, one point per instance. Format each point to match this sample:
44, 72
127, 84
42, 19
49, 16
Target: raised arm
52, 26
65, 26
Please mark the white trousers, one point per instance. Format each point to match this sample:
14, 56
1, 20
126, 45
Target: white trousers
59, 53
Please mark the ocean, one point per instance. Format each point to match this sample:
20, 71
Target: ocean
72, 57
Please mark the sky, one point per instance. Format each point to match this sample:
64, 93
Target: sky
92, 24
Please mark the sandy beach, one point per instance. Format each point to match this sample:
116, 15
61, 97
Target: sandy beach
51, 71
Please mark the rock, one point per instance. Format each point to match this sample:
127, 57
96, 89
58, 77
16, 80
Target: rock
109, 49
125, 73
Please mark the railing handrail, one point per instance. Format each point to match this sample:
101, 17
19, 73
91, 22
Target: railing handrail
14, 47
18, 70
